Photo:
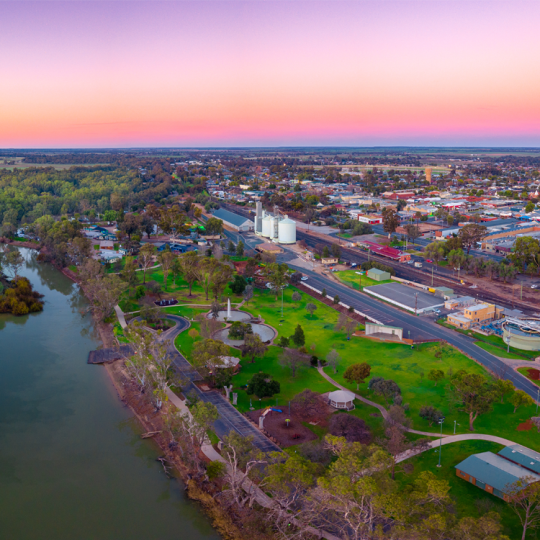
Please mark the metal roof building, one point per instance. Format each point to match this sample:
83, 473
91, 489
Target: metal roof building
234, 221
527, 458
492, 472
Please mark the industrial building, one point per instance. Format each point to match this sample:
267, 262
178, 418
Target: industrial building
522, 334
234, 221
494, 473
475, 315
275, 226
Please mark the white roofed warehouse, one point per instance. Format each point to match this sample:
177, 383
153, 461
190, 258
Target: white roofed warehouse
234, 221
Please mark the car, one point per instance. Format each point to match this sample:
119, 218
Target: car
534, 286
429, 261
304, 278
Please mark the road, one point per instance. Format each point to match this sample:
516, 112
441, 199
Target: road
230, 418
419, 327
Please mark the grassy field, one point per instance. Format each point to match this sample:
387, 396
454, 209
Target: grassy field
498, 351
524, 371
468, 499
356, 281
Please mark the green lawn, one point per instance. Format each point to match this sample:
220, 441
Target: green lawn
524, 371
468, 499
354, 280
498, 351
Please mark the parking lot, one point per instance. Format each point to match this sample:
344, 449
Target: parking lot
406, 297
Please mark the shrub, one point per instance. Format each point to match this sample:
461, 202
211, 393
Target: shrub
238, 285
193, 333
215, 469
263, 385
354, 429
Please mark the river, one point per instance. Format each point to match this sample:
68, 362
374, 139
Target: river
72, 465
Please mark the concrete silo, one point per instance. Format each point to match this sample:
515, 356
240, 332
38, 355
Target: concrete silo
287, 231
266, 229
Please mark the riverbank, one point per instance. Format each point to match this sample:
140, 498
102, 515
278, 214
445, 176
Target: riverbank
201, 491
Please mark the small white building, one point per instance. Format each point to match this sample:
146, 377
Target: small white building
341, 399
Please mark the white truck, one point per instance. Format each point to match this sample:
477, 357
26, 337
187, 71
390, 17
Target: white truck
418, 264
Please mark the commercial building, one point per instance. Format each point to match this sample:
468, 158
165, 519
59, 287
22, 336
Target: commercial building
475, 315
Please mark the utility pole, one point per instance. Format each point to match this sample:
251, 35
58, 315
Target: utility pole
416, 303
440, 442
432, 275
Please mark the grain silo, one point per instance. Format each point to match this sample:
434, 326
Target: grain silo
287, 231
267, 226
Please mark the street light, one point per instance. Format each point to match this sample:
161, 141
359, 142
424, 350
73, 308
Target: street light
455, 426
507, 339
440, 441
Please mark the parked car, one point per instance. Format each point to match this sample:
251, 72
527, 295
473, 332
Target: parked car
304, 278
429, 261
534, 286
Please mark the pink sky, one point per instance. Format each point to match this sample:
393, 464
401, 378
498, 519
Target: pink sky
264, 73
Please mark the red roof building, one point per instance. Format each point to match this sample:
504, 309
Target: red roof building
385, 251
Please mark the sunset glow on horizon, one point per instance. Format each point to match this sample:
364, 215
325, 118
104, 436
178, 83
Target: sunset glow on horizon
265, 73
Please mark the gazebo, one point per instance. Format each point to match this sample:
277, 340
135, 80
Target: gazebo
341, 399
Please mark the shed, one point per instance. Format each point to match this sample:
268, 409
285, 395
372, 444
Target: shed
527, 458
341, 399
378, 275
492, 473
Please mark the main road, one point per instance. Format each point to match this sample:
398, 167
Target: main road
419, 327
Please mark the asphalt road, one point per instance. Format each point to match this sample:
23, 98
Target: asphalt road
419, 327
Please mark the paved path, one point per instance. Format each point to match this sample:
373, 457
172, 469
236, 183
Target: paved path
121, 317
382, 410
455, 438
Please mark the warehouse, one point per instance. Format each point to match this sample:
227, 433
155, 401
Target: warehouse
234, 221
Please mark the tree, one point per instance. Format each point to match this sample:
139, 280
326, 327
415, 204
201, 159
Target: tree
298, 338
310, 307
325, 252
79, 250
214, 226
529, 207
336, 251
524, 498
333, 359
352, 428
357, 373
293, 359
435, 251
240, 249
457, 258
429, 413
386, 388
130, 225
220, 277
436, 375
248, 293
296, 278
471, 234
204, 414
129, 272
14, 261
519, 398
310, 215
262, 385
231, 248
253, 346
309, 405
166, 260
336, 299
474, 394
501, 387
238, 285
296, 297
277, 276
189, 265
105, 292
347, 324
323, 293
146, 258
526, 248
391, 221
413, 232
207, 356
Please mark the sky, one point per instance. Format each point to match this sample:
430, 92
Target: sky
78, 74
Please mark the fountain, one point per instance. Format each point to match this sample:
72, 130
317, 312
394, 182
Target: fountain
229, 308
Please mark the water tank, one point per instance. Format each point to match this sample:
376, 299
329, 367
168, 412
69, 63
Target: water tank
287, 231
266, 226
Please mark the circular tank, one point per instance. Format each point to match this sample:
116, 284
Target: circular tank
266, 226
287, 231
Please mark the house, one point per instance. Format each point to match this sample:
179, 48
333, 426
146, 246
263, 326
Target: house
494, 473
330, 260
106, 244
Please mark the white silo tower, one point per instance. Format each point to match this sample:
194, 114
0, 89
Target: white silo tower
273, 227
266, 226
287, 231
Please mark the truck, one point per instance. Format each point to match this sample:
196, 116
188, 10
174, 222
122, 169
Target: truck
418, 264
